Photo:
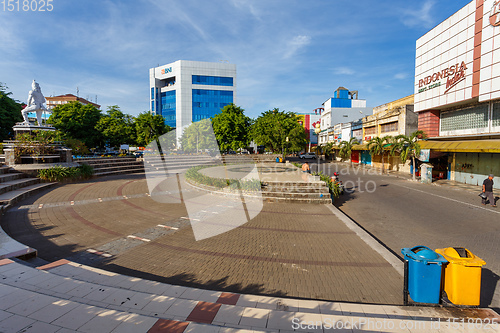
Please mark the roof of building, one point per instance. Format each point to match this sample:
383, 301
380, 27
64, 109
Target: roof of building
71, 97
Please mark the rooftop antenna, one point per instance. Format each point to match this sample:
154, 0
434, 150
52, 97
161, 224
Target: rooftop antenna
95, 99
77, 92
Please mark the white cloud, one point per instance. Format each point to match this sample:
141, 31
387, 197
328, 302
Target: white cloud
295, 45
419, 17
343, 71
401, 76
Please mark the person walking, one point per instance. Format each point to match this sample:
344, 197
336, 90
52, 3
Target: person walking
488, 191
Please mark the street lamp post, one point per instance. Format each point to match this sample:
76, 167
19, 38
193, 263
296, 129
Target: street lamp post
317, 130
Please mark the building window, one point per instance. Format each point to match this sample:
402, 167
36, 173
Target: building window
169, 82
357, 133
207, 103
389, 127
213, 80
470, 118
370, 130
495, 117
168, 107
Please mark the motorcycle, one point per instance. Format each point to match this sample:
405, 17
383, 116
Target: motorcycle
336, 181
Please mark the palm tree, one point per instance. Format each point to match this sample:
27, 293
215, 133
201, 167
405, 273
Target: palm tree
328, 148
346, 148
408, 147
377, 146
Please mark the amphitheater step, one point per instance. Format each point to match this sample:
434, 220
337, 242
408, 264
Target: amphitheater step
7, 177
17, 184
320, 201
12, 197
105, 172
4, 169
10, 248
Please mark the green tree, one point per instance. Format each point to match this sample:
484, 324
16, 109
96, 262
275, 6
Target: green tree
297, 139
272, 128
78, 121
198, 136
408, 147
231, 128
346, 148
149, 127
10, 113
378, 145
116, 127
328, 149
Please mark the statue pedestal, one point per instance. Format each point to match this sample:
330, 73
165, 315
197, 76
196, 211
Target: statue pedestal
26, 156
29, 127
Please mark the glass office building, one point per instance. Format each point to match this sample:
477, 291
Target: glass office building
188, 91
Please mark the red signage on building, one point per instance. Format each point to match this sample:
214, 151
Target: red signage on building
453, 74
495, 14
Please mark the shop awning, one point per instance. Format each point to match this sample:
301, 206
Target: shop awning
464, 146
360, 147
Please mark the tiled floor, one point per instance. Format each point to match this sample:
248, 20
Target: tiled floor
29, 304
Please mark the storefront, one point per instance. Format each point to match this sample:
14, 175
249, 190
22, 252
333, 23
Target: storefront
457, 93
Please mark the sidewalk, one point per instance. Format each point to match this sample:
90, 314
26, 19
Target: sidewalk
289, 253
439, 182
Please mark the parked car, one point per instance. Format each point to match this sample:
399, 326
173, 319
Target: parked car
308, 155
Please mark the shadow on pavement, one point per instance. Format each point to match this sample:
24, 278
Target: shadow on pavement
189, 280
489, 282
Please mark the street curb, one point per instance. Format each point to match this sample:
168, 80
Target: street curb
394, 260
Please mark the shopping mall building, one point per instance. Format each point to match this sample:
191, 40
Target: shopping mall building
188, 91
457, 93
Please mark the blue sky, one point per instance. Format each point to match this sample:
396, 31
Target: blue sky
289, 54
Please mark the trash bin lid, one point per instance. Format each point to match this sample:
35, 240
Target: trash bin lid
423, 254
461, 256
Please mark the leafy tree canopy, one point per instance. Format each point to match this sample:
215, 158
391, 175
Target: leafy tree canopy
231, 128
116, 127
78, 121
198, 136
10, 113
272, 128
149, 127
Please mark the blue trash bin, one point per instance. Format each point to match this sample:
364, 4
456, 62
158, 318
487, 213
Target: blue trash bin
424, 273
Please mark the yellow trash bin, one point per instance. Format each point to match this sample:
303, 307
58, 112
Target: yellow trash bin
462, 275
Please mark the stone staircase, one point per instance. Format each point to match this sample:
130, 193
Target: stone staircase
106, 166
177, 163
15, 186
315, 192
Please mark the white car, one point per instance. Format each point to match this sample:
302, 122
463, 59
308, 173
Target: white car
307, 155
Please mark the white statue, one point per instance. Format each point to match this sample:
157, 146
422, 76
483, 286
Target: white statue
35, 103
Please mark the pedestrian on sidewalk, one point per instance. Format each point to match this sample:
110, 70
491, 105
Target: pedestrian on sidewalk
488, 191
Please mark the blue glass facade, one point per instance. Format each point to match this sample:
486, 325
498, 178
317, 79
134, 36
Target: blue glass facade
168, 108
213, 80
207, 103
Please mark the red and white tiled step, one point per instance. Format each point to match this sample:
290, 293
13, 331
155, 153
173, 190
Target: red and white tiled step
82, 298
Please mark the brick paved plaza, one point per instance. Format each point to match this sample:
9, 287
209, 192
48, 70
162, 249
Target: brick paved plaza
289, 249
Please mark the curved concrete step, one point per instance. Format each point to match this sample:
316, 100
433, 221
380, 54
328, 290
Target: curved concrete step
7, 177
296, 195
105, 172
11, 197
289, 189
17, 184
4, 169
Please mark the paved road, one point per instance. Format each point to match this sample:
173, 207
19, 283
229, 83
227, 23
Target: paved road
401, 213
